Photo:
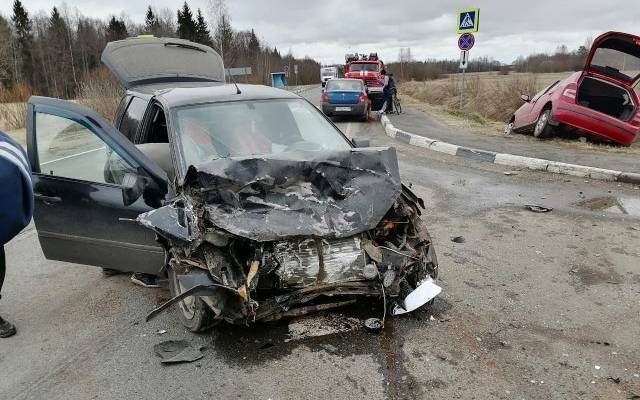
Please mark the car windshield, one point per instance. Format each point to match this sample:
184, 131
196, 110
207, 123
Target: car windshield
344, 85
363, 67
242, 128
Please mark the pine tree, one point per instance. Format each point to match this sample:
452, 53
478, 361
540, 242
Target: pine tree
151, 24
254, 44
202, 31
24, 41
186, 24
116, 30
224, 38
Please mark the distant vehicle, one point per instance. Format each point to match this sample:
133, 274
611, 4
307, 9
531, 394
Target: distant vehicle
367, 69
327, 73
601, 100
346, 97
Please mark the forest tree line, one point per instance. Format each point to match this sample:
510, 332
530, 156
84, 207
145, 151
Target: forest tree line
52, 53
562, 60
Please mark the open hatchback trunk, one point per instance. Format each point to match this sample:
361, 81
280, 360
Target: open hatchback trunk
612, 70
149, 60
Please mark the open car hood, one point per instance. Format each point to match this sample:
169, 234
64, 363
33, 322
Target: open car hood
143, 60
615, 55
329, 194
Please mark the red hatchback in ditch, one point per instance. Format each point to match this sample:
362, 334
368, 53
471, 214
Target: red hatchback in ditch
601, 100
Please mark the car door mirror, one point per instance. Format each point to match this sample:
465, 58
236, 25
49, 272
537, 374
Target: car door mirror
361, 142
135, 186
525, 98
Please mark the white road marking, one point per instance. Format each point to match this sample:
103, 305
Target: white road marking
73, 155
347, 131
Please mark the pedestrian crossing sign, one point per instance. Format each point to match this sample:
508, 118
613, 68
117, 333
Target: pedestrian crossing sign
468, 20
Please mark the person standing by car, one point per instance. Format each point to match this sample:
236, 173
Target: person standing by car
386, 92
16, 204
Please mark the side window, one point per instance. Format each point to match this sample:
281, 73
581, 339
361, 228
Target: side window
155, 127
70, 150
133, 117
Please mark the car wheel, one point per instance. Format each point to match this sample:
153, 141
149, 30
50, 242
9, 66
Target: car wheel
365, 117
543, 129
195, 315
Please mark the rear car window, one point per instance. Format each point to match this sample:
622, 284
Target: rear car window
344, 85
132, 117
616, 63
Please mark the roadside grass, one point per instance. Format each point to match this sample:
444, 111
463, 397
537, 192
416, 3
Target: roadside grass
99, 90
490, 99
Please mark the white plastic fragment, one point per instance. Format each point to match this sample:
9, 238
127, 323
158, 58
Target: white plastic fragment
426, 291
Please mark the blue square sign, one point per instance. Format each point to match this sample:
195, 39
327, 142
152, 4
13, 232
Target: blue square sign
468, 20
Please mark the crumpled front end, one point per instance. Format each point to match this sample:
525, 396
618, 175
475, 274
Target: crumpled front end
260, 239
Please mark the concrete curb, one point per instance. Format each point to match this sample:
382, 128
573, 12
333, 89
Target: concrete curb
511, 160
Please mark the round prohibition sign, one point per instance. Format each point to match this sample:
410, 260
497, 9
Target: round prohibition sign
466, 41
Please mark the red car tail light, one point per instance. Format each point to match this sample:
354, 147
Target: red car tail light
362, 98
325, 97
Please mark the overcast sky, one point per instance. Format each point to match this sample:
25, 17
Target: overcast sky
327, 29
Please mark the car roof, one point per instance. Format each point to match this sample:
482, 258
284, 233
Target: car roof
199, 93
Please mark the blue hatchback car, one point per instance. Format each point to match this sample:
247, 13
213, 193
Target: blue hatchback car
346, 97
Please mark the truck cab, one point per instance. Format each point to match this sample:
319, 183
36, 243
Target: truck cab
327, 73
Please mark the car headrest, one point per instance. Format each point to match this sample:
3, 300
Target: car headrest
159, 153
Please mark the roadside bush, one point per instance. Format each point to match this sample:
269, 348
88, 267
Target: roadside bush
487, 96
100, 91
12, 105
16, 93
12, 116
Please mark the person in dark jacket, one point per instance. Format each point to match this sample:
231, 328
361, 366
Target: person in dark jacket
16, 204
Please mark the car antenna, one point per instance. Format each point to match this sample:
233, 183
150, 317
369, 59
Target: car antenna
234, 82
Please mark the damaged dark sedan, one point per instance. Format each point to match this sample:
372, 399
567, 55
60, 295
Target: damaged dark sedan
247, 198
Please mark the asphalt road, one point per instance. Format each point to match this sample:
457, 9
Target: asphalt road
534, 306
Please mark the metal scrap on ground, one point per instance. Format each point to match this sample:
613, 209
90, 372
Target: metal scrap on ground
178, 351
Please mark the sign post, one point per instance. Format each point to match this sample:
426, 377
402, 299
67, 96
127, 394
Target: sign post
295, 71
467, 22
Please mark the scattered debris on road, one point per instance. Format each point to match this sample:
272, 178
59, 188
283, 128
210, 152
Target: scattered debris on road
178, 351
458, 239
537, 208
373, 325
320, 325
509, 173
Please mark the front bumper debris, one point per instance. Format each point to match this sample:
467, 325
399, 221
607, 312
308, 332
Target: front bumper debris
265, 238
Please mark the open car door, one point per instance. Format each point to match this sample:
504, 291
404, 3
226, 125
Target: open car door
79, 162
150, 60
